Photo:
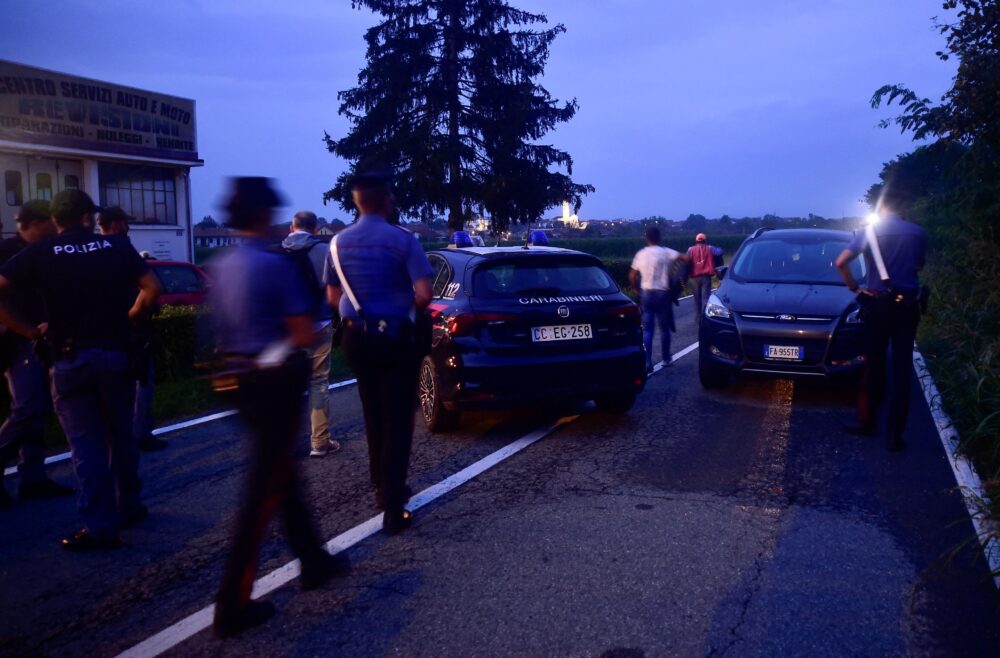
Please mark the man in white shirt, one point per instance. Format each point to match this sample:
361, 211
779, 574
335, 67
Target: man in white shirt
650, 273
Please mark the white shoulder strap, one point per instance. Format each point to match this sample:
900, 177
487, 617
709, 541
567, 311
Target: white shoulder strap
876, 252
340, 275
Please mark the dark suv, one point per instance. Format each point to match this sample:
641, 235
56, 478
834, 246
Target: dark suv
782, 309
522, 325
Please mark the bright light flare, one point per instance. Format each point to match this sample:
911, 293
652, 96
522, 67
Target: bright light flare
872, 218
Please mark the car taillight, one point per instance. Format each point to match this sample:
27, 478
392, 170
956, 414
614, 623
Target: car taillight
628, 312
464, 324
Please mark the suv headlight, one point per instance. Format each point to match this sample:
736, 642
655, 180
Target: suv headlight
854, 317
716, 309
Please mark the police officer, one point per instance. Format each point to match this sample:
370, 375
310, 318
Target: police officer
891, 312
388, 276
115, 221
264, 325
88, 285
27, 380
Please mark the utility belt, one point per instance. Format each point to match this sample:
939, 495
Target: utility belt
393, 332
902, 298
50, 349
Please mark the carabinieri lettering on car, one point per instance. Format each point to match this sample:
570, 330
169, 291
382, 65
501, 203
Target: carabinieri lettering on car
561, 300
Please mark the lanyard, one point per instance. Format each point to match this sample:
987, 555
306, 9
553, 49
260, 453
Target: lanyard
872, 238
340, 275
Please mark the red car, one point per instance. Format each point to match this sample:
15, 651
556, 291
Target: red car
183, 284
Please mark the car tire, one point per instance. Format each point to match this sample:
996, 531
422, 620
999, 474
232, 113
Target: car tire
711, 376
615, 403
436, 417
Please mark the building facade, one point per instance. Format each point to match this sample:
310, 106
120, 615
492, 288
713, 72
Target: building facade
123, 146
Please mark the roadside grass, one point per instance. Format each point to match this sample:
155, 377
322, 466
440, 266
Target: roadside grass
960, 337
174, 400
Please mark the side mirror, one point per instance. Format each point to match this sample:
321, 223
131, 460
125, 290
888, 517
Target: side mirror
721, 271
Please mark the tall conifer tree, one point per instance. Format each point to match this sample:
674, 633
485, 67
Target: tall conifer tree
449, 98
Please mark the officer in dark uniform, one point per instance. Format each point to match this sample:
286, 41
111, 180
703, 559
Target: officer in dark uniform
88, 285
262, 313
891, 312
390, 278
27, 381
115, 221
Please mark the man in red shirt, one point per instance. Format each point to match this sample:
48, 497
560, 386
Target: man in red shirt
702, 270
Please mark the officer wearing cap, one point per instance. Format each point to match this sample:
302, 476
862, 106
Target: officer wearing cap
264, 324
88, 285
27, 380
890, 311
115, 221
380, 279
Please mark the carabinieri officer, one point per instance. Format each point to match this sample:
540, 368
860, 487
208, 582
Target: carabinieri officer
88, 284
388, 276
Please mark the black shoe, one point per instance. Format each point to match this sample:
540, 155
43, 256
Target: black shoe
395, 523
380, 500
5, 500
254, 613
43, 490
323, 569
135, 517
152, 444
82, 540
852, 426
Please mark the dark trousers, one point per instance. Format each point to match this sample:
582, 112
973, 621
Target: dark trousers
386, 369
93, 396
888, 324
30, 404
701, 287
657, 309
271, 403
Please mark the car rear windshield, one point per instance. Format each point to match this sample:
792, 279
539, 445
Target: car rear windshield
793, 259
538, 276
177, 279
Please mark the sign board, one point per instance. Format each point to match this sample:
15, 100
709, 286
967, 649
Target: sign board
43, 107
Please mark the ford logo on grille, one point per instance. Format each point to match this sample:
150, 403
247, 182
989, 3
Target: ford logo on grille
787, 318
563, 311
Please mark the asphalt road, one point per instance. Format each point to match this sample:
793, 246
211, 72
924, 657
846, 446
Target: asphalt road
738, 522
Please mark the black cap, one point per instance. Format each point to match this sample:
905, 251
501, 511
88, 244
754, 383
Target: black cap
253, 192
35, 210
376, 176
71, 205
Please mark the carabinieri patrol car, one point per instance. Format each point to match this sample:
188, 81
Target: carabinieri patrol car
520, 325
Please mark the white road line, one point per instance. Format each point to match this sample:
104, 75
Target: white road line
202, 619
199, 621
159, 431
975, 498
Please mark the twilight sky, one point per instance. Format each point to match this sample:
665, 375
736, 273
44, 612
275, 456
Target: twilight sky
686, 107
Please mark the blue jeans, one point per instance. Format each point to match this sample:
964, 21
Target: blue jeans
93, 396
30, 404
656, 309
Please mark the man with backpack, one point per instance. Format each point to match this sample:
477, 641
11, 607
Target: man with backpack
309, 254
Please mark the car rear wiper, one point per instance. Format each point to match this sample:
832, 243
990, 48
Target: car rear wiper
537, 291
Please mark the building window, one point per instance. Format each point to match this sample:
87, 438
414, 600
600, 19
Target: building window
43, 186
147, 194
12, 188
71, 182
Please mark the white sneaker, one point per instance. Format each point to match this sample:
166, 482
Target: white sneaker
332, 446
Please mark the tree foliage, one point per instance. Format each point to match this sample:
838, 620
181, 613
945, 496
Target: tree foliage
448, 98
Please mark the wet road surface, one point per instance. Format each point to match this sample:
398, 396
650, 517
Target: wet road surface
735, 522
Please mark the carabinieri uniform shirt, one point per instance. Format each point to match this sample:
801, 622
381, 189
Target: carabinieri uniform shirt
255, 290
381, 261
904, 250
87, 284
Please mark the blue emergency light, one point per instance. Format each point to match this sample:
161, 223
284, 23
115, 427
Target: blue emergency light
538, 238
461, 239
